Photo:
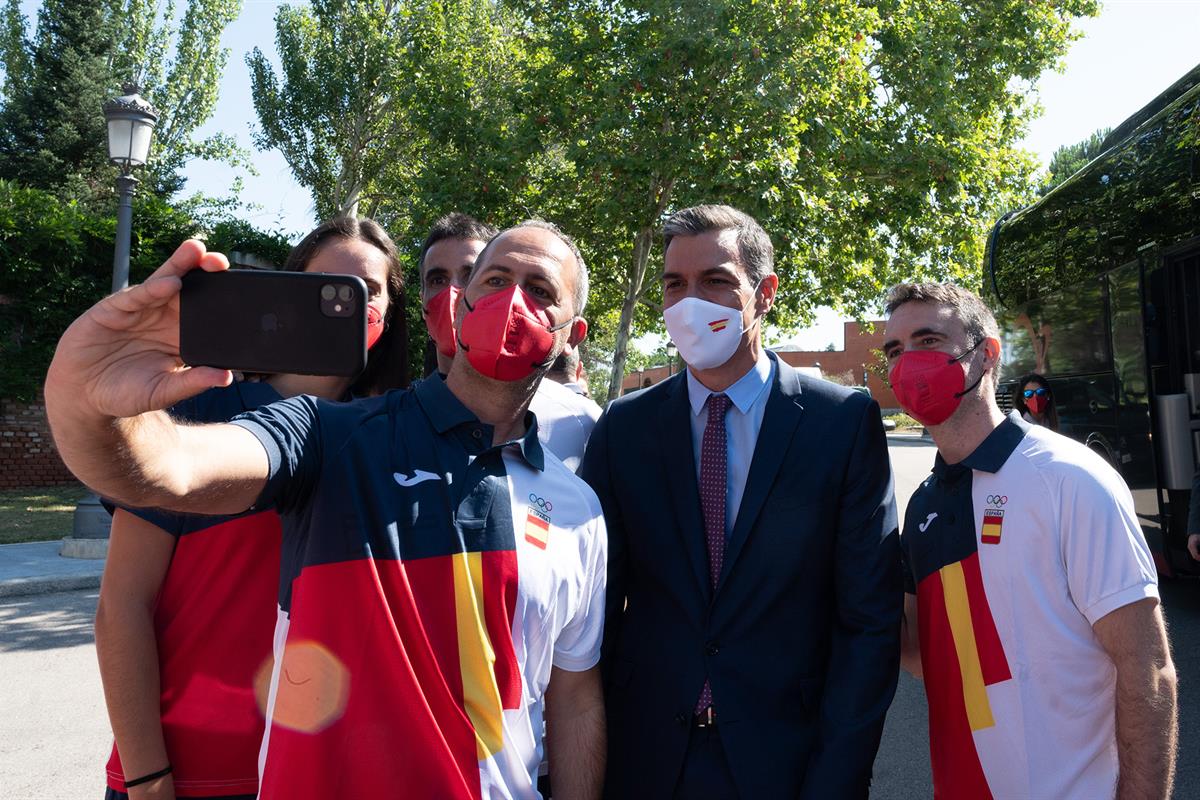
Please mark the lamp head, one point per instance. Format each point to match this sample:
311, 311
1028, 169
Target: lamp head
131, 122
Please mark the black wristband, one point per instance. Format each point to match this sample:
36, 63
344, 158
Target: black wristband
147, 778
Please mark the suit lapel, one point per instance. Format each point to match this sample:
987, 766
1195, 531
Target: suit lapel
780, 419
679, 464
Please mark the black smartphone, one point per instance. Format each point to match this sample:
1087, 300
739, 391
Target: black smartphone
305, 323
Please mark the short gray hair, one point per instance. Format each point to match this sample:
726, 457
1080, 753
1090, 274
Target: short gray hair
756, 254
581, 273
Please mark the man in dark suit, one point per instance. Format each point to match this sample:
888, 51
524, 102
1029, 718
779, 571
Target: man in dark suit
754, 597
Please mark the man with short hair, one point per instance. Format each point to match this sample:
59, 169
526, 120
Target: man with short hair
444, 267
443, 573
1032, 607
752, 641
565, 420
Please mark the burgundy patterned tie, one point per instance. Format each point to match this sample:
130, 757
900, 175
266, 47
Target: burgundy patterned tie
712, 501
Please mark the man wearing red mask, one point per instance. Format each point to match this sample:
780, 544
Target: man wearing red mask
443, 574
1032, 607
752, 638
565, 419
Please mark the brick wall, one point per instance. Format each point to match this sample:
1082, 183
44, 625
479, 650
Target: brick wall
27, 454
850, 364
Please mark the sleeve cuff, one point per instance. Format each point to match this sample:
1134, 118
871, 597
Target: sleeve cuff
1116, 600
573, 664
274, 458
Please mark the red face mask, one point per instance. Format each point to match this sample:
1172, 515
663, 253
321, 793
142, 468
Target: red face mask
374, 325
439, 319
1037, 404
506, 336
928, 384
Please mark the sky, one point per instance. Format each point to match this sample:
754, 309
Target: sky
1126, 57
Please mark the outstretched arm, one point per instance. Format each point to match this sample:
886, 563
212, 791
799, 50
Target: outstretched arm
115, 369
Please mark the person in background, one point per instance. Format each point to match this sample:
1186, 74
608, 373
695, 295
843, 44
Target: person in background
187, 604
565, 419
568, 370
752, 632
1034, 401
1032, 610
443, 267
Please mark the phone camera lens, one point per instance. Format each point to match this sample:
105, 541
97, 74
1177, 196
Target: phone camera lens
327, 292
344, 293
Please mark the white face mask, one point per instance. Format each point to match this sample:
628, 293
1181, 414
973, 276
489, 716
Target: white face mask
707, 334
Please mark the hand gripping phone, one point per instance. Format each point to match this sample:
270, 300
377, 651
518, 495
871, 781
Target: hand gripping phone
305, 323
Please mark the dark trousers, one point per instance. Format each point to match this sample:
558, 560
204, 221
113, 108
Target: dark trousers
705, 774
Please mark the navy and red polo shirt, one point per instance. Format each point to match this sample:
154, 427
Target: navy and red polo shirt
430, 583
213, 622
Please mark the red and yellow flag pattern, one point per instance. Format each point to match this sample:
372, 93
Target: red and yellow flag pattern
961, 655
993, 521
718, 325
537, 529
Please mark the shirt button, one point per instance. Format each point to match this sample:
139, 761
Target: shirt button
478, 434
712, 648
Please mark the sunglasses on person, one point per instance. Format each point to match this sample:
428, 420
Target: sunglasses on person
1040, 392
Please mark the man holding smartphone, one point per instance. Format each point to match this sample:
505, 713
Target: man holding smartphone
565, 419
444, 574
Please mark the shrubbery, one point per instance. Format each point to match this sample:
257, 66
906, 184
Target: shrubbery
56, 261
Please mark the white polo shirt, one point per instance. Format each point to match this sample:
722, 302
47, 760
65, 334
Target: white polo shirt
1014, 554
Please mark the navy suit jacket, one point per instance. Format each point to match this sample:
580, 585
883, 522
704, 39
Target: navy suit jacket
800, 639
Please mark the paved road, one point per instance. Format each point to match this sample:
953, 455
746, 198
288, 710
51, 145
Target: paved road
54, 734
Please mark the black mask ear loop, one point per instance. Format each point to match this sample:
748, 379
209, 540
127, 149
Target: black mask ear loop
553, 329
457, 337
970, 388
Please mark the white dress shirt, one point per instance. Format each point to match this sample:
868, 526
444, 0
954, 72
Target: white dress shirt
565, 421
743, 421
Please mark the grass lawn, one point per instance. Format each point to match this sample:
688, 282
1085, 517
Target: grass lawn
34, 515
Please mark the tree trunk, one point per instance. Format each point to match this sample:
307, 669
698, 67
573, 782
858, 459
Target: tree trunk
633, 291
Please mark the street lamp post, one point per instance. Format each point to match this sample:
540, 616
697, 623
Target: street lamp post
130, 126
671, 351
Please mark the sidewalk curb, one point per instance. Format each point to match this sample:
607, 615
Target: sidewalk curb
47, 584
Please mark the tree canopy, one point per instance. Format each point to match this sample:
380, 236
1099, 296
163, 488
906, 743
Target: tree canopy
1070, 158
52, 132
872, 140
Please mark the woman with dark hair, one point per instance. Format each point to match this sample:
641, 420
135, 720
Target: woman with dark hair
187, 604
347, 241
1034, 399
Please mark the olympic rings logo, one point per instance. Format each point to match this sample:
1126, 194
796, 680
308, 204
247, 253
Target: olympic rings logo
997, 499
545, 505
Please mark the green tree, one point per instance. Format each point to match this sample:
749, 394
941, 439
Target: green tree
872, 139
52, 133
1069, 159
14, 54
179, 63
332, 111
51, 130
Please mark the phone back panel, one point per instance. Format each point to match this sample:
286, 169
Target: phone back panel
272, 322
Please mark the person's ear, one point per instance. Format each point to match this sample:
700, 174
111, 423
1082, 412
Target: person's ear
766, 294
991, 351
579, 329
